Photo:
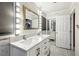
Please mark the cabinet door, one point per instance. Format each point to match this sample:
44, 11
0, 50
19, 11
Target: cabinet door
4, 47
45, 48
35, 51
32, 52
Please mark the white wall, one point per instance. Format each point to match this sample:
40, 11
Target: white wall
77, 29
31, 6
44, 14
75, 6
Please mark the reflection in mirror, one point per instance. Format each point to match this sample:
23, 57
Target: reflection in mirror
43, 23
30, 19
53, 25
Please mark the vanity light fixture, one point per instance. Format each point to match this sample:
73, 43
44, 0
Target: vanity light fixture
18, 19
18, 31
17, 4
17, 26
40, 19
18, 15
17, 9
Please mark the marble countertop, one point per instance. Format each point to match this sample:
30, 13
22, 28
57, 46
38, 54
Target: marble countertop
6, 36
29, 42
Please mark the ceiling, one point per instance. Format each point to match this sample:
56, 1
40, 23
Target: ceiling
49, 7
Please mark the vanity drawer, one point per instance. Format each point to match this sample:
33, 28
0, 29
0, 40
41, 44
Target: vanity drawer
45, 42
45, 47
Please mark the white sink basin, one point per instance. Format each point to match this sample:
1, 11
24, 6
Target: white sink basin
26, 42
31, 40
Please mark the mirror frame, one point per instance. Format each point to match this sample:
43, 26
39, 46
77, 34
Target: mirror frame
24, 16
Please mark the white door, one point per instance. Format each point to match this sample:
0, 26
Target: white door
63, 31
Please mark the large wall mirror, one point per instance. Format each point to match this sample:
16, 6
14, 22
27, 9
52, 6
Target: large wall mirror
30, 19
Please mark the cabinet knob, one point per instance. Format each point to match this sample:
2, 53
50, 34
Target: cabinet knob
45, 42
45, 47
38, 52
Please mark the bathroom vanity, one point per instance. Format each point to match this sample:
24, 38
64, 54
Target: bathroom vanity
4, 46
33, 46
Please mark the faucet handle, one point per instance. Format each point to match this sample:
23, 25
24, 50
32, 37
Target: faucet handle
24, 36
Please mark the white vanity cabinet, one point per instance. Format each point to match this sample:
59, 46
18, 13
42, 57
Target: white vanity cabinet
33, 46
35, 51
36, 48
42, 49
15, 51
4, 47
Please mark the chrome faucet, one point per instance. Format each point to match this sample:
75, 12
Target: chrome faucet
24, 37
39, 33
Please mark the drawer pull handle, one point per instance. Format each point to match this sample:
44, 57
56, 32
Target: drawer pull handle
38, 52
45, 42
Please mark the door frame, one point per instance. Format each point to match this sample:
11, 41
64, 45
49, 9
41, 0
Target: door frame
71, 29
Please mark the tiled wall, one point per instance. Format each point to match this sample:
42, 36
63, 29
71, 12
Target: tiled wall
15, 38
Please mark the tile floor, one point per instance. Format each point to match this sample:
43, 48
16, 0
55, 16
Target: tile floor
56, 51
